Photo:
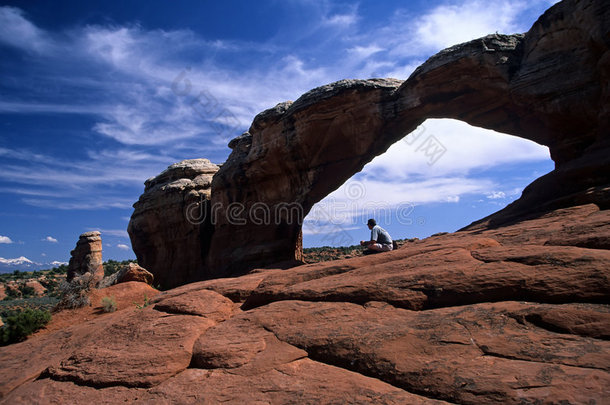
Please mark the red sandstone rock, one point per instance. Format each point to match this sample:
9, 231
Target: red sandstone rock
206, 303
141, 348
133, 272
471, 317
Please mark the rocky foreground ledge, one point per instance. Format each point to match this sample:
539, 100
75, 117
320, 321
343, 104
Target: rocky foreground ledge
518, 314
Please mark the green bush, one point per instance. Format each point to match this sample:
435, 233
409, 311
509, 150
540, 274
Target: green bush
146, 303
23, 324
51, 285
11, 293
109, 304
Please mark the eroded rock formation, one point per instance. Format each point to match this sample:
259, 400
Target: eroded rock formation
170, 229
512, 315
549, 85
87, 257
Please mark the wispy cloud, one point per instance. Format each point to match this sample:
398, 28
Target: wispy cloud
341, 20
50, 239
17, 31
122, 246
5, 239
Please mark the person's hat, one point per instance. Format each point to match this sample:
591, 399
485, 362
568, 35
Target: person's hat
371, 222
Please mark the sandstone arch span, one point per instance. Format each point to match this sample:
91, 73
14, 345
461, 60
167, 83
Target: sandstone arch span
549, 85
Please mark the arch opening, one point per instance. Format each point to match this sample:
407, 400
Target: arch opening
441, 177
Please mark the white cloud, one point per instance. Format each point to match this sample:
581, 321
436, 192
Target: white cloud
496, 195
122, 246
50, 239
448, 25
466, 148
57, 263
451, 23
341, 20
5, 239
365, 51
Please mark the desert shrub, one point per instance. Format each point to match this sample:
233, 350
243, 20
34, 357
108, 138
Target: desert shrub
75, 294
145, 304
51, 285
62, 269
11, 294
18, 275
27, 291
23, 324
109, 304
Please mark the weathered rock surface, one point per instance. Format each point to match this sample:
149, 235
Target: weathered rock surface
501, 316
170, 228
549, 85
87, 257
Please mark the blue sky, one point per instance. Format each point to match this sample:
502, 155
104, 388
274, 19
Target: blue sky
90, 107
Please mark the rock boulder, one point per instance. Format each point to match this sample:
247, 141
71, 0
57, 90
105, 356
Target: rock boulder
129, 272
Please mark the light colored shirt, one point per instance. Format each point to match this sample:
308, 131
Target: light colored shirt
380, 235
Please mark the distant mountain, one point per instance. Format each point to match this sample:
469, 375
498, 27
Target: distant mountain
24, 264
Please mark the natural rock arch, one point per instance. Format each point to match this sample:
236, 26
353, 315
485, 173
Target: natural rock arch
549, 85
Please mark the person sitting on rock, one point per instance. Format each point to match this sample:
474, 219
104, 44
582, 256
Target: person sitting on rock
381, 241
